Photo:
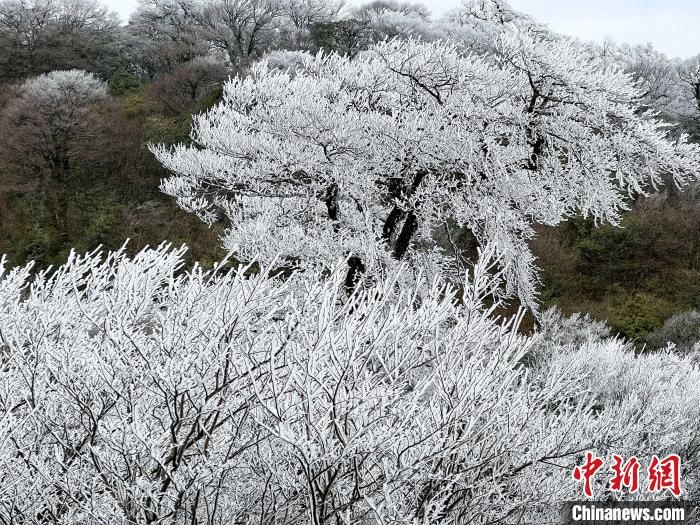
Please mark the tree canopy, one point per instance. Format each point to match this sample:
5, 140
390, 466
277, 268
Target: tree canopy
367, 157
135, 390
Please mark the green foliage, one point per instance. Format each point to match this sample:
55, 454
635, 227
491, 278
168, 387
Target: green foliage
134, 104
41, 242
42, 36
102, 226
214, 97
33, 236
167, 130
634, 276
345, 37
639, 314
613, 254
123, 83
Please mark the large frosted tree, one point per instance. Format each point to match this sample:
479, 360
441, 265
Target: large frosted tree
367, 157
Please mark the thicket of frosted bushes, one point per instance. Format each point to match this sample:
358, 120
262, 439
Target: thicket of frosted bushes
682, 330
138, 391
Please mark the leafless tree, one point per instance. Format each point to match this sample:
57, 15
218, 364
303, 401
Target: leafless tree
47, 122
161, 35
303, 15
182, 90
372, 11
37, 36
241, 29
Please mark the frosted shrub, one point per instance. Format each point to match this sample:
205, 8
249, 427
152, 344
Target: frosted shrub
645, 404
573, 329
682, 330
288, 61
135, 391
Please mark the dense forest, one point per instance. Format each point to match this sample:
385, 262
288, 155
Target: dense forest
430, 263
76, 172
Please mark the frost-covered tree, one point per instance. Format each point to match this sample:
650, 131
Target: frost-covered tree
240, 29
47, 122
366, 157
136, 391
162, 35
477, 24
689, 75
48, 117
654, 73
375, 9
391, 18
299, 16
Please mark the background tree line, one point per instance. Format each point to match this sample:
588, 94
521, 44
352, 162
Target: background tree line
81, 96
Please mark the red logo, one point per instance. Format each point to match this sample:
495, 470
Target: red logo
625, 475
663, 474
586, 472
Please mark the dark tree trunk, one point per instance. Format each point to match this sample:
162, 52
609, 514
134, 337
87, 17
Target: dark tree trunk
392, 222
355, 270
397, 214
355, 265
331, 200
403, 242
